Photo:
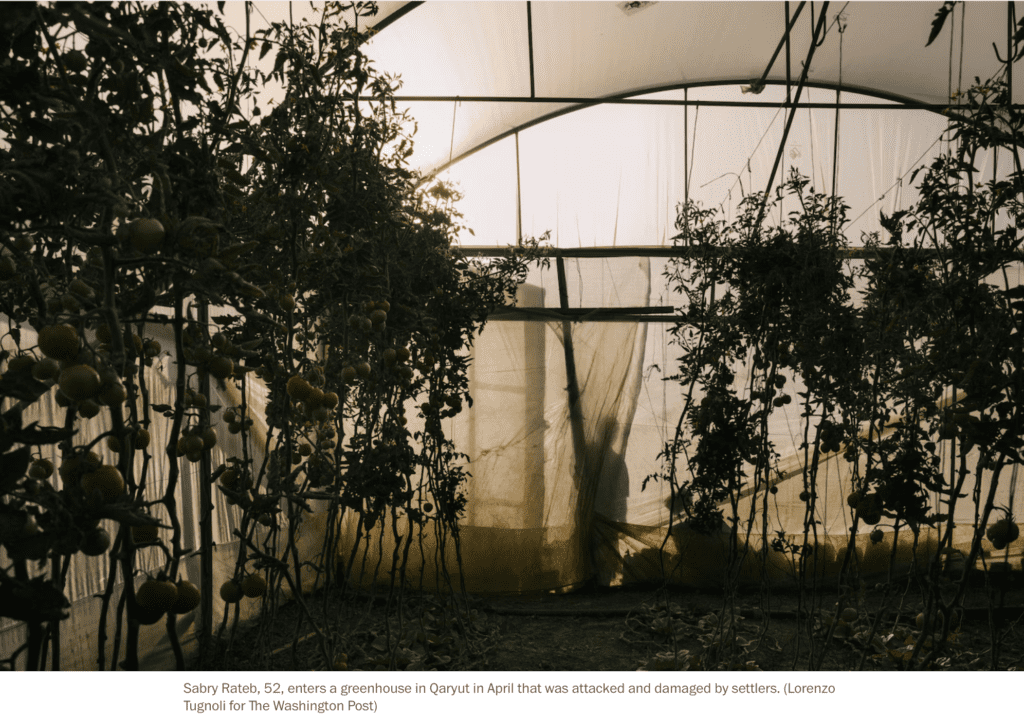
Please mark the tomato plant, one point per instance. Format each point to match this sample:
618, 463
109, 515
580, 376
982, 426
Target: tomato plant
902, 356
288, 251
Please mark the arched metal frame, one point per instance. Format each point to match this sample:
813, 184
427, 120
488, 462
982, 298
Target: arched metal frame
950, 111
635, 96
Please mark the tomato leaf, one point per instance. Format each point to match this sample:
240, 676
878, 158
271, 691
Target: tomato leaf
940, 20
12, 468
46, 435
32, 600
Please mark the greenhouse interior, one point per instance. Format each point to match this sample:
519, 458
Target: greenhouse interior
321, 313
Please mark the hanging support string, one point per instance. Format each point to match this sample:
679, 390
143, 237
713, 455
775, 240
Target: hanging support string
898, 184
693, 149
451, 145
688, 154
835, 136
949, 86
758, 85
686, 166
792, 113
519, 200
739, 175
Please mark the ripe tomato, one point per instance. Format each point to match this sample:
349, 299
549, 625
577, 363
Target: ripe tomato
188, 598
107, 479
156, 595
254, 585
95, 542
59, 341
230, 592
79, 382
146, 235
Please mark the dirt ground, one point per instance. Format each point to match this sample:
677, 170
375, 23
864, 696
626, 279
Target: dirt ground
604, 629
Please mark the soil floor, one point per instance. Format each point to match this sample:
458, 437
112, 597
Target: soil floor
623, 629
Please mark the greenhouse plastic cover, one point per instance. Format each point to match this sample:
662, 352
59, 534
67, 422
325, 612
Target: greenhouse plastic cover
547, 507
594, 50
550, 502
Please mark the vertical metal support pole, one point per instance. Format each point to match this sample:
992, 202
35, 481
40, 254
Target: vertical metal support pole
1009, 52
575, 413
205, 504
788, 65
519, 199
686, 147
529, 42
1010, 48
55, 624
534, 338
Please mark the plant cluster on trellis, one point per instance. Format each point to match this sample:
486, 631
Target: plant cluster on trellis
906, 359
147, 179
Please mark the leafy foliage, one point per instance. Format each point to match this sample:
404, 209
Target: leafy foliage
144, 182
903, 355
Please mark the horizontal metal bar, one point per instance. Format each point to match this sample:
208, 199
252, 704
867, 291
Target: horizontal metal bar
599, 252
631, 96
593, 318
572, 312
742, 104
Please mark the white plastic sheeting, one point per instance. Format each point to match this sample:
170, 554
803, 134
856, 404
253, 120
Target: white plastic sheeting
612, 175
87, 576
595, 50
